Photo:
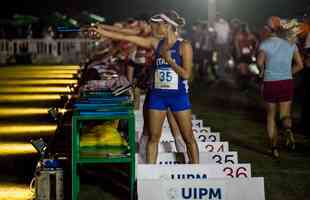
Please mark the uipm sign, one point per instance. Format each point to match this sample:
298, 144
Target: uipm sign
212, 189
201, 193
195, 193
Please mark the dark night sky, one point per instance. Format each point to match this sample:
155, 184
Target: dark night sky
253, 11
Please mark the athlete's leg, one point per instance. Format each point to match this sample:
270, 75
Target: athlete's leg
286, 122
184, 121
155, 123
271, 109
179, 142
145, 134
137, 95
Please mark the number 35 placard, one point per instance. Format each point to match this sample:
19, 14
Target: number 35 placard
166, 79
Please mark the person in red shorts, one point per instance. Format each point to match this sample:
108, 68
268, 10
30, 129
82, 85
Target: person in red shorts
275, 61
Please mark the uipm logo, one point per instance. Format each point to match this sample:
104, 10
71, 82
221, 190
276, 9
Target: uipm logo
199, 193
189, 176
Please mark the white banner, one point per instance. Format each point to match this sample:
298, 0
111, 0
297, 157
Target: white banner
214, 189
215, 147
193, 172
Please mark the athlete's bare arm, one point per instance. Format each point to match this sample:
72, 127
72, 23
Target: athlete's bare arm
126, 31
144, 42
184, 71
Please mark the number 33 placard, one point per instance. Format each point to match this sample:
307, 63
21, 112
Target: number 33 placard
166, 79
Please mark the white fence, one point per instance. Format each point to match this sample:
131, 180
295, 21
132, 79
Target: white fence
46, 50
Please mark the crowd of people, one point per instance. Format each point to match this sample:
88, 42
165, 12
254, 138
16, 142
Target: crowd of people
222, 46
280, 51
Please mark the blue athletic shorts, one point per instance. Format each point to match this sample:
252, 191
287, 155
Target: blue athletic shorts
176, 103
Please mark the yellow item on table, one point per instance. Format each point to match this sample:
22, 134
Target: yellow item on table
103, 135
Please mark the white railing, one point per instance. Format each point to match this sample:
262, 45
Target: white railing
46, 50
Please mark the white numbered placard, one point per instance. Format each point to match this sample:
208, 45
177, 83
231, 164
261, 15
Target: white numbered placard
166, 78
193, 172
215, 147
197, 123
200, 137
202, 130
209, 137
213, 189
166, 132
204, 158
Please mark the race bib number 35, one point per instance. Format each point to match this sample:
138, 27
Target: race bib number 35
166, 79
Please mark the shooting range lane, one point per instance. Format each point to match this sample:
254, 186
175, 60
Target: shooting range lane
26, 95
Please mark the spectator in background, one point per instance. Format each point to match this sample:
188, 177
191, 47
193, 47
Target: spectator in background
222, 44
50, 43
29, 32
195, 38
275, 61
49, 34
235, 25
207, 49
245, 45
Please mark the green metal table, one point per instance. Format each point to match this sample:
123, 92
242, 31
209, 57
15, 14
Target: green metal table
78, 159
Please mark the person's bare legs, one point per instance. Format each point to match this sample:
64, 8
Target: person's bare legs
174, 128
271, 109
184, 121
137, 94
145, 134
155, 123
286, 122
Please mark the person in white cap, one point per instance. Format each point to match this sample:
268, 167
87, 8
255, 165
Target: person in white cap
172, 68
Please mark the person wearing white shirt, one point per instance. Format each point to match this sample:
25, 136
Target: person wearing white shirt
222, 43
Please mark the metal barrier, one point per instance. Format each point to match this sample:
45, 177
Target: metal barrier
46, 50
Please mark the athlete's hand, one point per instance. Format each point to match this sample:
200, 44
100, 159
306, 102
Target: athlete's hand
96, 32
165, 54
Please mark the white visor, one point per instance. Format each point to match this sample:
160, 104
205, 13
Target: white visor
163, 17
